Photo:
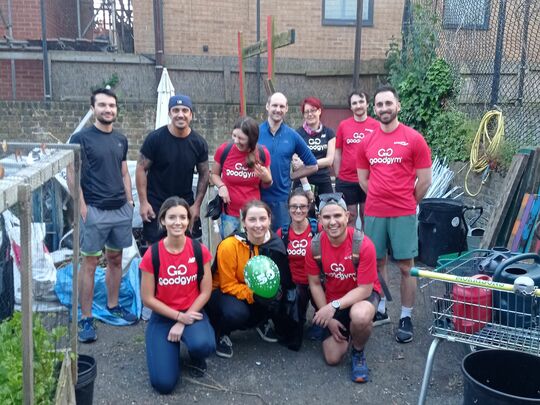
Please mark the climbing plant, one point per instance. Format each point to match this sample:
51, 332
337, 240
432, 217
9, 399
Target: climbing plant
428, 87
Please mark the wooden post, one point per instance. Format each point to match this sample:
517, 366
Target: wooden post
241, 77
25, 200
75, 261
270, 47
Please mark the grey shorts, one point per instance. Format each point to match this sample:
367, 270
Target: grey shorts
106, 228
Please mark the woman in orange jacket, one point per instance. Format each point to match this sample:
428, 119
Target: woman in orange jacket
233, 305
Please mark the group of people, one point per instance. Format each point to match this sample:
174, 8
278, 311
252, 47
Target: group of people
278, 201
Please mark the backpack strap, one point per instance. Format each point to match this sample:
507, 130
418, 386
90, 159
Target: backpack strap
155, 264
285, 235
225, 153
316, 252
314, 226
197, 251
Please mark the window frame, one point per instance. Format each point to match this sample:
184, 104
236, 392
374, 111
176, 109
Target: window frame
468, 26
348, 22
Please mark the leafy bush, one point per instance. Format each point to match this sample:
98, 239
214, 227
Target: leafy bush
11, 363
428, 87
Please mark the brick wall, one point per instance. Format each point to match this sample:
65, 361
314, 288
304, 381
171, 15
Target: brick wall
28, 78
26, 19
52, 121
191, 24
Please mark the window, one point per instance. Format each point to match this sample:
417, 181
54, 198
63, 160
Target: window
343, 12
466, 14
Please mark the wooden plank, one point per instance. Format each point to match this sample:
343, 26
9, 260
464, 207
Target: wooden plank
271, 48
511, 182
533, 180
527, 233
523, 218
504, 233
517, 222
279, 41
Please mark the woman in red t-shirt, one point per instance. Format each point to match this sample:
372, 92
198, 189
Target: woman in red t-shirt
177, 299
297, 237
242, 174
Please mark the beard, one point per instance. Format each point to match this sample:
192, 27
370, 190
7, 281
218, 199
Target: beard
106, 121
388, 117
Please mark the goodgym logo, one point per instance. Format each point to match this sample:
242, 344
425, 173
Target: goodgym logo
385, 157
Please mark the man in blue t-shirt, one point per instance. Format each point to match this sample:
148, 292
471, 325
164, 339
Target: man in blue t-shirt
283, 142
106, 207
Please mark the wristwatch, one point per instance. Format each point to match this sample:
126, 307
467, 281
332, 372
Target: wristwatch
335, 304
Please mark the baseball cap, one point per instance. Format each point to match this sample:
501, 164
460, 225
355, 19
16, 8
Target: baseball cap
180, 99
332, 198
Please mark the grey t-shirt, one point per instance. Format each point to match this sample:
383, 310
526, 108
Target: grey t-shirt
102, 154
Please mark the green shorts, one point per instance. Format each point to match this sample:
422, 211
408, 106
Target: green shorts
399, 233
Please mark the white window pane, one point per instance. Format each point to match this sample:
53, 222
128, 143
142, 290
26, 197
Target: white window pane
465, 12
344, 9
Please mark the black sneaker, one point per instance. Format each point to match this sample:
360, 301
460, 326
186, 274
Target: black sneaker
380, 318
87, 330
404, 333
120, 312
197, 368
266, 332
224, 347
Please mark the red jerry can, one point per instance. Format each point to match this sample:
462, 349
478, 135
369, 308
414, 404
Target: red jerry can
472, 306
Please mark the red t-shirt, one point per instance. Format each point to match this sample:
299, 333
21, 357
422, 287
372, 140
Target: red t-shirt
392, 160
296, 251
242, 183
177, 281
341, 277
349, 135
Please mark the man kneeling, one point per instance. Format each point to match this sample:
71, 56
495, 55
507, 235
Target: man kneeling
348, 302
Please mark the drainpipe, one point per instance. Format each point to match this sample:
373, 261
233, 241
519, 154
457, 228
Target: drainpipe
358, 42
159, 39
497, 63
13, 67
258, 61
46, 78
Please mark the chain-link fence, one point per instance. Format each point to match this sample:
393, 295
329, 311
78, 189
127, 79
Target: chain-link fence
36, 248
494, 46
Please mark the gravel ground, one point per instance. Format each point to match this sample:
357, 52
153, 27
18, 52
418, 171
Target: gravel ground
264, 373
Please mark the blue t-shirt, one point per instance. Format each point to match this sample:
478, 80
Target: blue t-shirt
282, 146
102, 154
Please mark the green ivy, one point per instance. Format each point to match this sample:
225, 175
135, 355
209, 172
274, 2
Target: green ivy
46, 359
428, 88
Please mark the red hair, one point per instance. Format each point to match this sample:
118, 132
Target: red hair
314, 101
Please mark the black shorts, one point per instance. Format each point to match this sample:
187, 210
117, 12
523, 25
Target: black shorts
352, 192
343, 315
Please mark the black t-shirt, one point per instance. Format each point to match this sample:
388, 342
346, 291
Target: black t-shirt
173, 163
318, 144
102, 154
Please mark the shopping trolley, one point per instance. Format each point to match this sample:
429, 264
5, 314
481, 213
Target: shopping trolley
469, 308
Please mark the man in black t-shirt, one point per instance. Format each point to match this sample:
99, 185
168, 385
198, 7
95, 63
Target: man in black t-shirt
106, 207
166, 166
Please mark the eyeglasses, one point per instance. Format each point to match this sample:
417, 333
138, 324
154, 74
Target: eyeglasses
327, 197
309, 112
302, 207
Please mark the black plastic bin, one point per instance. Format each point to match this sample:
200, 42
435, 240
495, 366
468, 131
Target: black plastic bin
500, 377
441, 229
87, 372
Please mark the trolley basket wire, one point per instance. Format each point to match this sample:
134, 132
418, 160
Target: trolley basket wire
468, 307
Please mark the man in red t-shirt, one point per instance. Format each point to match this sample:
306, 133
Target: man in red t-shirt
394, 169
349, 300
350, 133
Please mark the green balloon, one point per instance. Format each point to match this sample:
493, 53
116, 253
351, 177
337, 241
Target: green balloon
261, 275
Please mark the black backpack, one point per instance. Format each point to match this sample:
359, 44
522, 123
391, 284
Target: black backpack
227, 149
197, 251
285, 231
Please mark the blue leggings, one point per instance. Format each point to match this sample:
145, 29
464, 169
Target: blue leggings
163, 357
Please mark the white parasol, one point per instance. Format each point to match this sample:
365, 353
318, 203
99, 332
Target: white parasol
165, 91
